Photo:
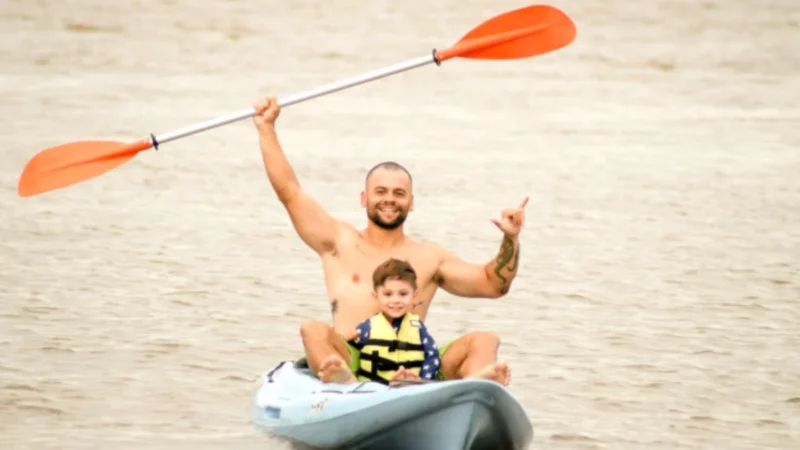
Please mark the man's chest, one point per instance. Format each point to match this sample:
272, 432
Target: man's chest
361, 262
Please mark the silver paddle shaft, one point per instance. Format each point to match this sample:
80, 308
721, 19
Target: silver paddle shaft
297, 98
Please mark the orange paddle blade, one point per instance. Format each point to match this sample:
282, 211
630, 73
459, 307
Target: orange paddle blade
67, 164
516, 34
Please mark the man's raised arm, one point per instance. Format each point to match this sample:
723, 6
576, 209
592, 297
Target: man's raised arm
489, 280
313, 224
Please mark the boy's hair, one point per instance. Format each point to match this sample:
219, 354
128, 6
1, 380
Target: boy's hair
395, 269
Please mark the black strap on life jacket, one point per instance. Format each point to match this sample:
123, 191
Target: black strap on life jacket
380, 364
394, 344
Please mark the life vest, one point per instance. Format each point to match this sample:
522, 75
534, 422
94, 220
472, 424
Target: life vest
384, 352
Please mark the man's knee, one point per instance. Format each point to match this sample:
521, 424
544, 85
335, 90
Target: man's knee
485, 340
314, 329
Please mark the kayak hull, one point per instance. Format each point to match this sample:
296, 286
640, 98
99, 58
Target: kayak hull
449, 415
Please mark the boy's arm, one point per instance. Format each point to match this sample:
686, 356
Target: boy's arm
431, 364
361, 335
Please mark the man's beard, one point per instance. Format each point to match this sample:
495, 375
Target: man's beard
374, 217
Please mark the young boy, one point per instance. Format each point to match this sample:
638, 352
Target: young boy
394, 343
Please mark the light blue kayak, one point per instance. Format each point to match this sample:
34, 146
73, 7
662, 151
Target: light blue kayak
447, 415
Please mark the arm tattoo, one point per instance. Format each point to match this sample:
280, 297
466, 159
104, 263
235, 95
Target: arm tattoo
514, 261
507, 255
334, 306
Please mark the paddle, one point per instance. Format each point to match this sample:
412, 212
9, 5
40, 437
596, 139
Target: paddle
516, 34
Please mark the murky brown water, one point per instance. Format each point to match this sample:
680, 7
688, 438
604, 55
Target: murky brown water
657, 304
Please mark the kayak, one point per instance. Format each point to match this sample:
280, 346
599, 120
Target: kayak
473, 414
293, 405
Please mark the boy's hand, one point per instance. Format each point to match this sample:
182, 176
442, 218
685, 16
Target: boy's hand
403, 374
352, 336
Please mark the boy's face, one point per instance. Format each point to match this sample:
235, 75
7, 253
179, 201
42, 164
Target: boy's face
394, 297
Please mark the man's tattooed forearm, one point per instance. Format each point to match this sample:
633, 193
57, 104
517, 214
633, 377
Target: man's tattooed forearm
513, 266
507, 255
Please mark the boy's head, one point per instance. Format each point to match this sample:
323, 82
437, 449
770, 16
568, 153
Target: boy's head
394, 286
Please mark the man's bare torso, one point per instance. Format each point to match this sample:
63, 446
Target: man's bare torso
348, 276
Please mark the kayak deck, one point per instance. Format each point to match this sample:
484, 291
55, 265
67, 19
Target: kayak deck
447, 415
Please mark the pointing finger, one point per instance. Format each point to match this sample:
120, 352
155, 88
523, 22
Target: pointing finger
524, 202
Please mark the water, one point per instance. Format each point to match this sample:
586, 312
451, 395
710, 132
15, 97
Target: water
656, 302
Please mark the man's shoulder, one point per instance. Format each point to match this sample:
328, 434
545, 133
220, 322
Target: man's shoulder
346, 230
338, 238
345, 236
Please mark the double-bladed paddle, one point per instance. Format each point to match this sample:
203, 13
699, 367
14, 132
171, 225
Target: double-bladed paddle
521, 33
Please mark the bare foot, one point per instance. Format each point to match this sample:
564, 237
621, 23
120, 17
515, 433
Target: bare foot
334, 370
498, 372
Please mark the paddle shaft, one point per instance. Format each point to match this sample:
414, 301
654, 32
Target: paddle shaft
461, 48
297, 98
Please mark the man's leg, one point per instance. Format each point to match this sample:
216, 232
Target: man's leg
469, 354
320, 341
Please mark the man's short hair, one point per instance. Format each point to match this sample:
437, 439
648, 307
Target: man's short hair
388, 165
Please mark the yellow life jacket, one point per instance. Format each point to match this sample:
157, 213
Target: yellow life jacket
384, 352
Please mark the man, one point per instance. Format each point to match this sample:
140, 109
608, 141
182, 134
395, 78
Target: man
349, 256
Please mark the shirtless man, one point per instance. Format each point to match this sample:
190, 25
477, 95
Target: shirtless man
349, 256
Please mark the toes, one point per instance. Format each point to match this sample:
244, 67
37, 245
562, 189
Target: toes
331, 362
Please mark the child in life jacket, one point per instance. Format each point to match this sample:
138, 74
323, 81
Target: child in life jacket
394, 344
